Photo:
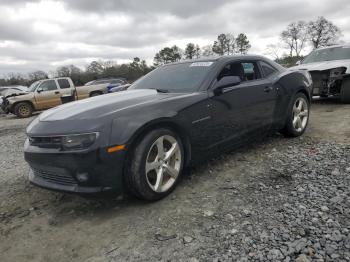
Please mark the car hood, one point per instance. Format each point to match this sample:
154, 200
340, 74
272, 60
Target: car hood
13, 92
104, 105
325, 65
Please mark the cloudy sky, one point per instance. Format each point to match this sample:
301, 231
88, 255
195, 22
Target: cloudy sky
40, 34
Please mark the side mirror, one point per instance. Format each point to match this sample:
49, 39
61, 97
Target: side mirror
298, 62
39, 89
226, 81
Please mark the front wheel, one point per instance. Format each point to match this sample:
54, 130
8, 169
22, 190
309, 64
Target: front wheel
297, 117
23, 109
155, 165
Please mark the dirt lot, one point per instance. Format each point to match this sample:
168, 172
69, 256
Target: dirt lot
278, 199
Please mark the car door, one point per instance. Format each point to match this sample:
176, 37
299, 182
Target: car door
66, 88
270, 90
47, 94
242, 109
261, 94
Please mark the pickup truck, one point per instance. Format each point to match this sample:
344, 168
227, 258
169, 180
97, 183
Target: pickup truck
47, 93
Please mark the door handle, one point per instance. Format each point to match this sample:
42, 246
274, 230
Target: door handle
57, 92
268, 89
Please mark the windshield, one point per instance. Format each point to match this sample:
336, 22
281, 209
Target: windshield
328, 54
33, 86
175, 78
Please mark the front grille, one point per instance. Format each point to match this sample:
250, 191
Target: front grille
46, 142
54, 177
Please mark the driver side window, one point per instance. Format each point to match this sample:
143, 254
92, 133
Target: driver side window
48, 85
246, 71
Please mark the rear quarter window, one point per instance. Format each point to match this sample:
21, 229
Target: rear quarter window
267, 69
63, 83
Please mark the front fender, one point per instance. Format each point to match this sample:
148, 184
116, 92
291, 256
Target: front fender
290, 83
124, 129
178, 111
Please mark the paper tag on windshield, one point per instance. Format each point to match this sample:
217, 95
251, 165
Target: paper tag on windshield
201, 64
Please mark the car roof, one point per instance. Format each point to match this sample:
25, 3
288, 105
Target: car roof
333, 46
110, 78
54, 78
228, 58
221, 58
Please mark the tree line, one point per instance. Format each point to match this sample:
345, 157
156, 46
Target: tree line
300, 34
294, 39
94, 70
225, 44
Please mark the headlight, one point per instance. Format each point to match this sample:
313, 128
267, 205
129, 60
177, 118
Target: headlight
333, 73
81, 141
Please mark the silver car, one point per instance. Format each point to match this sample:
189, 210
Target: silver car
330, 71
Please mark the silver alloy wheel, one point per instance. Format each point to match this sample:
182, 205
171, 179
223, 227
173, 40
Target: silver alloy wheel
163, 163
23, 110
300, 114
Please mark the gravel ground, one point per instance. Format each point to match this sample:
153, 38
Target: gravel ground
274, 200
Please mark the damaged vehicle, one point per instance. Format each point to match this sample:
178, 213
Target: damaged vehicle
45, 94
141, 139
330, 71
8, 90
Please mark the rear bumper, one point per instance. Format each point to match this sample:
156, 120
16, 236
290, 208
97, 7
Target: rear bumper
64, 171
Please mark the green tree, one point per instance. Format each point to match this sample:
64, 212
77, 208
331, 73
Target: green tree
224, 45
197, 51
220, 45
242, 44
288, 61
190, 51
167, 55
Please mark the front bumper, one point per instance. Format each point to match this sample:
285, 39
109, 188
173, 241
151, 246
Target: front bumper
62, 171
5, 106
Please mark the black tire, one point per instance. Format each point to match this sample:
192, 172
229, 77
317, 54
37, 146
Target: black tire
23, 109
345, 91
95, 94
135, 176
289, 130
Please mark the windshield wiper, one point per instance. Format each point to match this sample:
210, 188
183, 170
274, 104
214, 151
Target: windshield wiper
159, 90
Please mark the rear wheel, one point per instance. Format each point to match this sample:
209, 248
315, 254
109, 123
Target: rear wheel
23, 109
155, 165
345, 91
298, 116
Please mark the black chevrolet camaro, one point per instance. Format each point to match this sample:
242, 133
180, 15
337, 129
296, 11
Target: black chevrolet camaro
141, 139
